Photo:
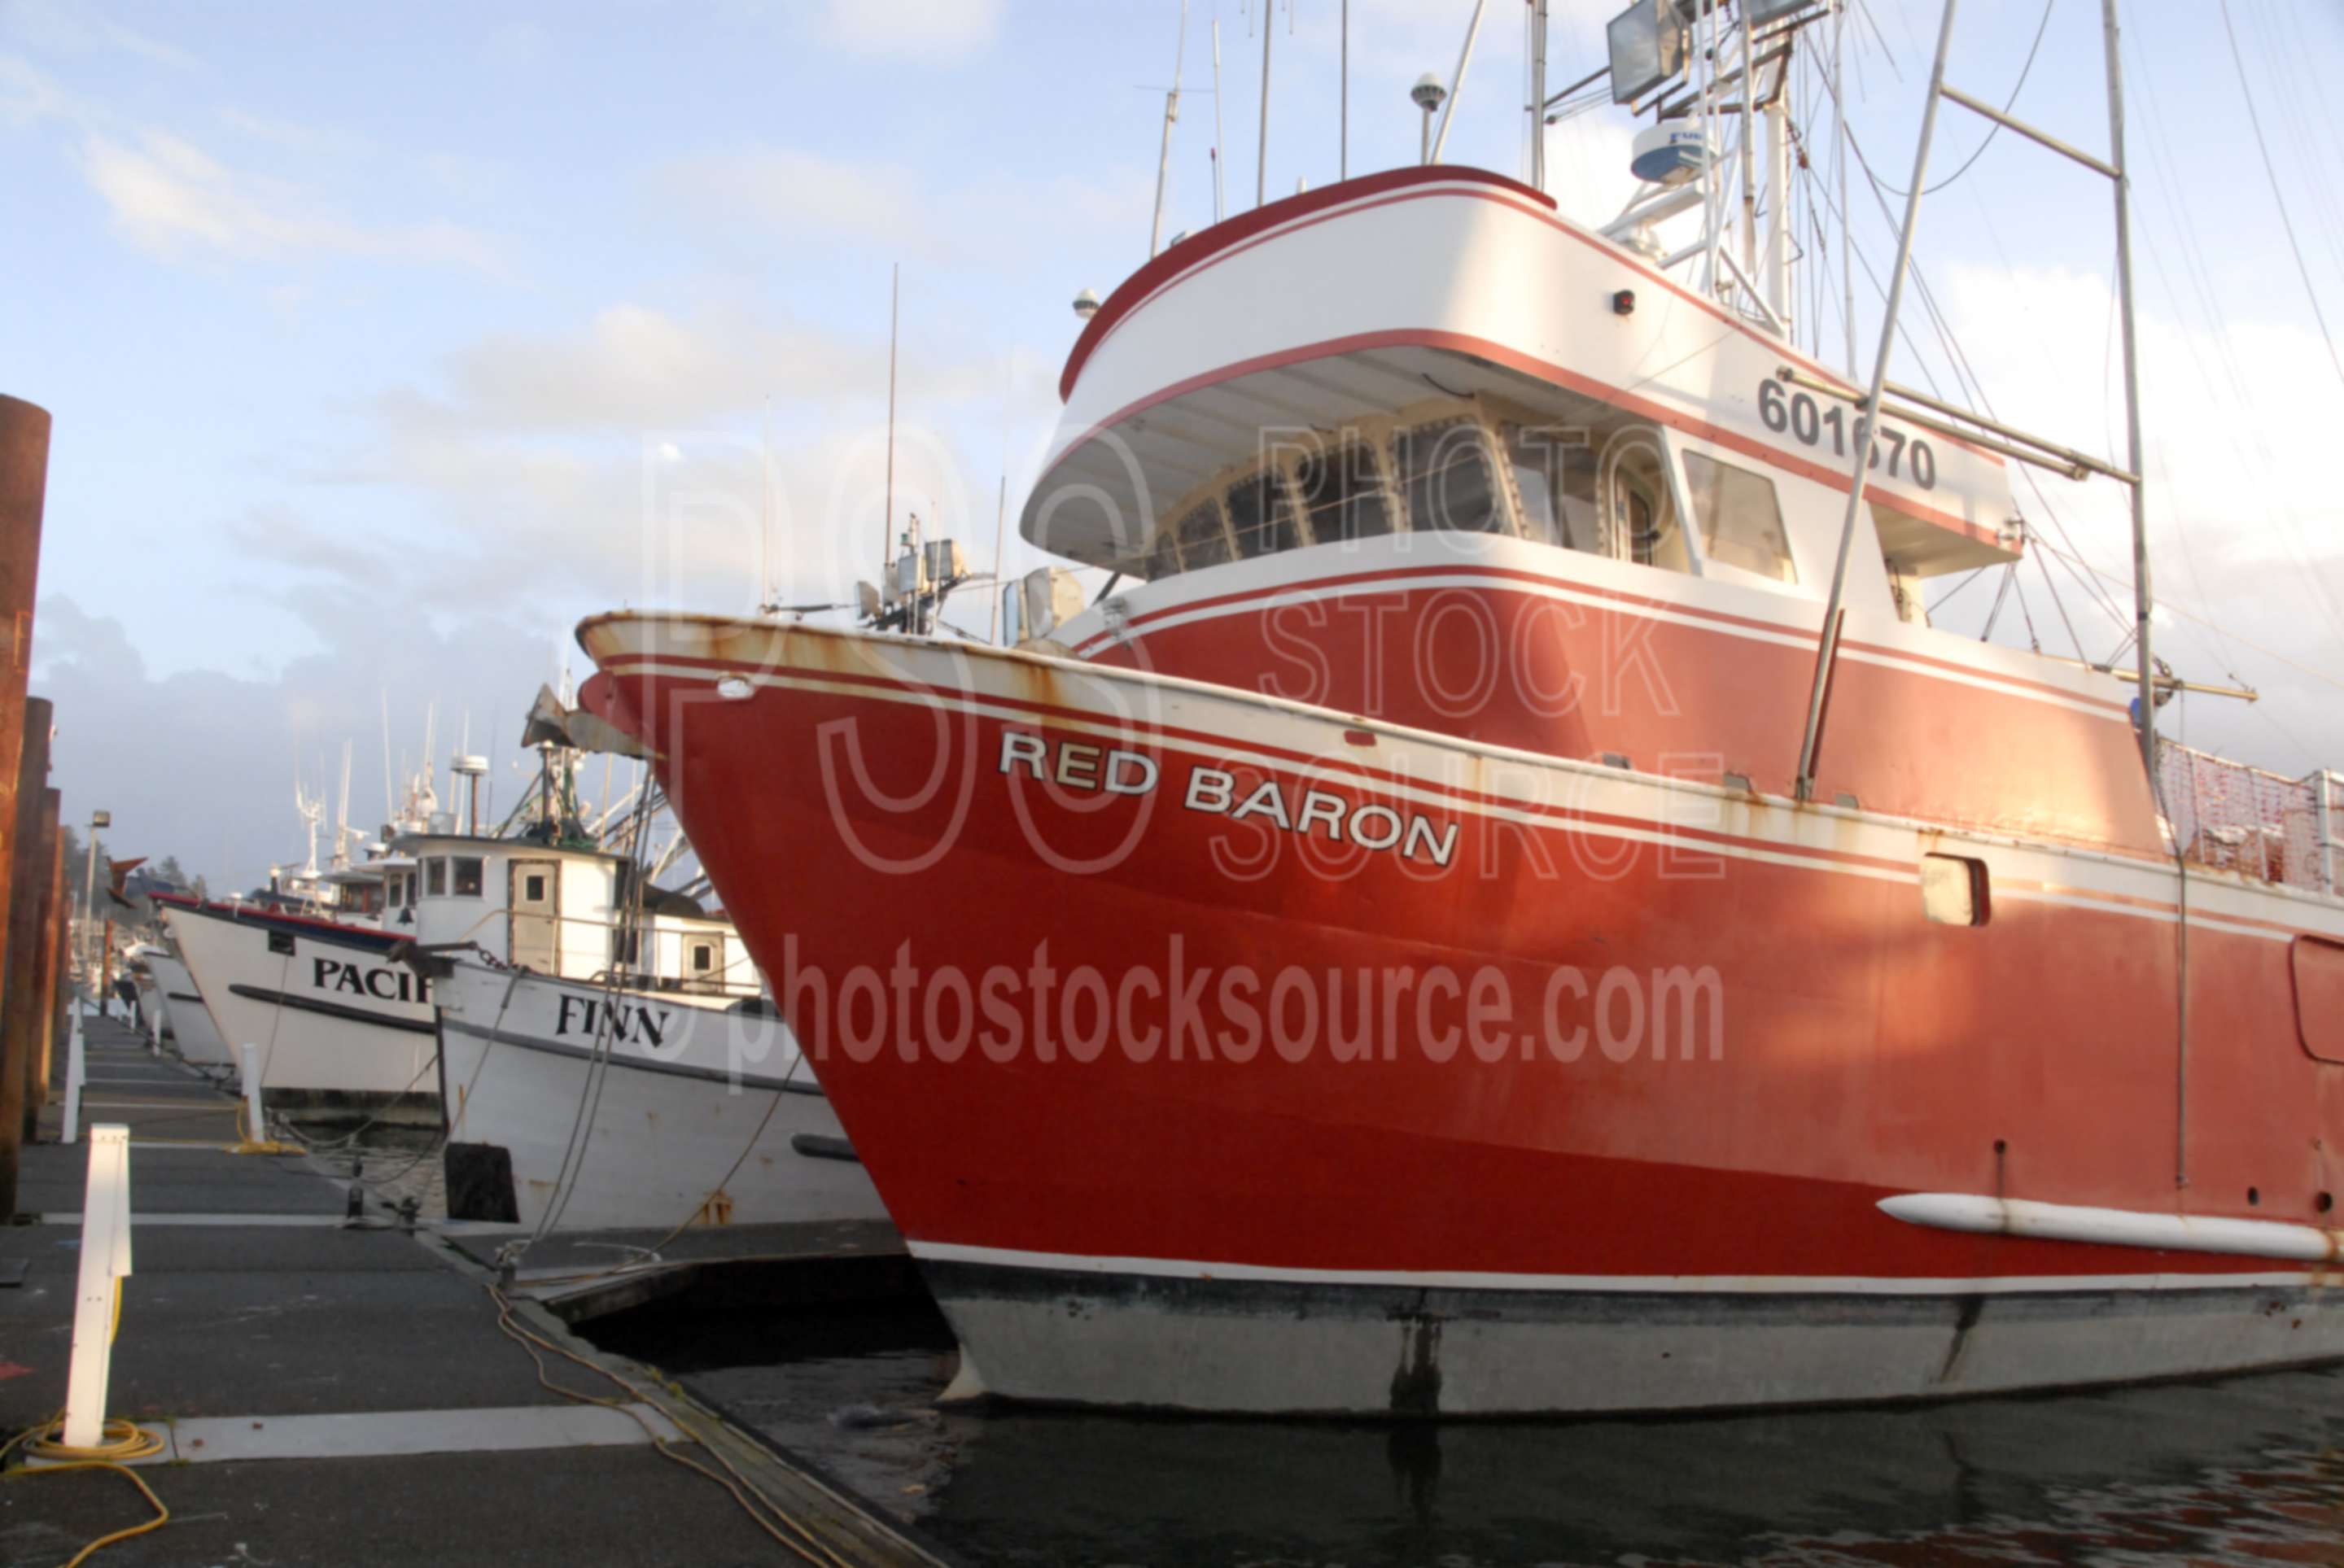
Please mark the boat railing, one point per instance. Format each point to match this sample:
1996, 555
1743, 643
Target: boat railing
2228, 816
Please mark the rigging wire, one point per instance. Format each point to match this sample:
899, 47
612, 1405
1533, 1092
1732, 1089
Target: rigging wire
2247, 92
2016, 87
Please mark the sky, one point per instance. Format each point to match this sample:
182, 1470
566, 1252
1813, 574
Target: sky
386, 343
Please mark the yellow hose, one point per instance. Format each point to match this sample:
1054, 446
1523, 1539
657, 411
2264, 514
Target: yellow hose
123, 1440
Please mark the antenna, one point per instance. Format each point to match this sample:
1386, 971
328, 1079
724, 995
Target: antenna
1457, 86
389, 790
1171, 117
1261, 159
1538, 94
1218, 161
342, 814
1343, 112
1000, 513
887, 523
765, 595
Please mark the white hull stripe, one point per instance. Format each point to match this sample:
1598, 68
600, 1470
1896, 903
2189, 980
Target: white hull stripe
2156, 884
1788, 637
1667, 1284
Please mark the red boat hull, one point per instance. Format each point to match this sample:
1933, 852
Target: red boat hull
1581, 1092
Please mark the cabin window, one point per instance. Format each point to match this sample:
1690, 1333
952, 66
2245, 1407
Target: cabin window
1554, 477
1203, 537
703, 958
468, 876
1640, 520
1164, 553
1343, 494
1261, 518
435, 875
1447, 479
394, 891
1955, 890
532, 888
1741, 524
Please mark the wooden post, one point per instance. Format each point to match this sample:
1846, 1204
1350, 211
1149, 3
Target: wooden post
24, 488
50, 978
20, 998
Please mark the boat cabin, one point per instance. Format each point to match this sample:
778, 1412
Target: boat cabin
557, 910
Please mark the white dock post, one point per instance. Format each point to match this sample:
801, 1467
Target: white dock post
76, 1073
255, 1129
105, 1263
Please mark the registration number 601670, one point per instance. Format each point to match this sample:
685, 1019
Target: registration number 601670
1790, 411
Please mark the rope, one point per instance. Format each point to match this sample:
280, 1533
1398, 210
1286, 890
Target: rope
590, 1097
781, 1525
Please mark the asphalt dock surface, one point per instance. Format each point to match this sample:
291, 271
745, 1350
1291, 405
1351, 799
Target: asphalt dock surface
253, 1304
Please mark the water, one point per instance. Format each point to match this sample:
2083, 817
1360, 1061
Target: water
2241, 1470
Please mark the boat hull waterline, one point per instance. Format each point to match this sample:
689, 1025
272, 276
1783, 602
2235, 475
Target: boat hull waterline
1515, 1085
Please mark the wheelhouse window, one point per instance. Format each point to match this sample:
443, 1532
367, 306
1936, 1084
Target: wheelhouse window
532, 888
1447, 479
435, 875
1262, 516
468, 876
1740, 522
1343, 495
1203, 537
1554, 478
703, 958
394, 891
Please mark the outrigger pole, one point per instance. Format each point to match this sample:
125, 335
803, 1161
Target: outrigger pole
2145, 675
1835, 609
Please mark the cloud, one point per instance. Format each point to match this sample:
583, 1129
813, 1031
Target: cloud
921, 27
791, 191
168, 196
68, 26
998, 221
224, 806
2246, 528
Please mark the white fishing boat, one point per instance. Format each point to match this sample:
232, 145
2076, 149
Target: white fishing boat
302, 971
699, 1106
608, 1057
339, 1027
186, 1021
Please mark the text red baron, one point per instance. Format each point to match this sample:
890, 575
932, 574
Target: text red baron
1297, 809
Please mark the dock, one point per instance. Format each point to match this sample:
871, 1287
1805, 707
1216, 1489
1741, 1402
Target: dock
360, 1391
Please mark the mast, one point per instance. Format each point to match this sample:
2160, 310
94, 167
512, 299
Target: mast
1748, 155
1776, 277
887, 523
2144, 600
1220, 158
1261, 153
1834, 611
1537, 94
1343, 112
1171, 117
1457, 83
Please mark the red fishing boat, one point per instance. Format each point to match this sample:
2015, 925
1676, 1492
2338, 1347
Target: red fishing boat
1487, 916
